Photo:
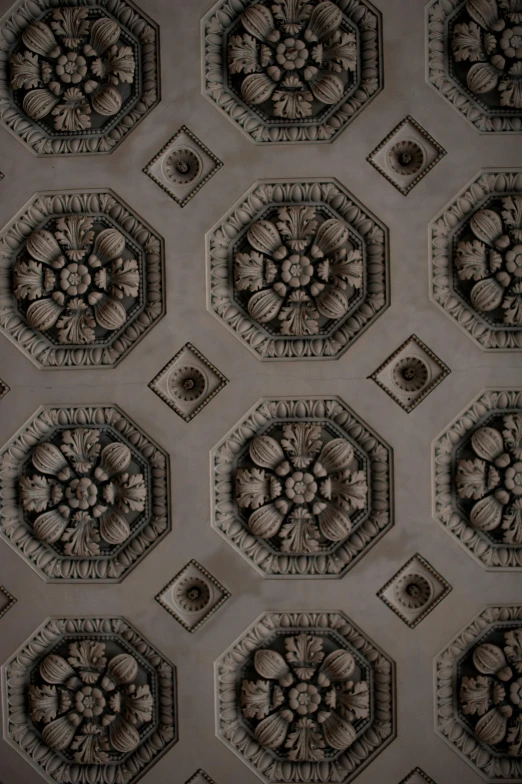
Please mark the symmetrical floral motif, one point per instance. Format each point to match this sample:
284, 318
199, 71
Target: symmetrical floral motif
411, 374
96, 698
406, 157
414, 591
182, 166
80, 279
192, 596
83, 493
83, 76
476, 259
297, 693
300, 496
479, 680
305, 280
292, 70
187, 383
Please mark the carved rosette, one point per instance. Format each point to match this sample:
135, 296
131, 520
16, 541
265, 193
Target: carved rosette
84, 493
479, 693
476, 260
96, 699
302, 488
298, 270
289, 71
478, 478
305, 697
75, 79
475, 60
81, 279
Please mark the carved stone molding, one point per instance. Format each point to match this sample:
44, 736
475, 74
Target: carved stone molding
302, 487
81, 279
96, 700
475, 60
417, 776
200, 777
298, 269
76, 78
476, 259
478, 688
84, 493
6, 600
305, 697
292, 72
192, 596
478, 478
414, 591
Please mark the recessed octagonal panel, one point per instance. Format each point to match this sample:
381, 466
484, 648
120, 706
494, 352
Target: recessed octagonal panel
81, 279
96, 699
475, 60
478, 688
84, 493
292, 72
76, 78
478, 478
476, 260
301, 488
305, 697
298, 269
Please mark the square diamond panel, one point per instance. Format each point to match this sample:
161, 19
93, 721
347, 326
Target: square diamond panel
183, 166
200, 777
410, 373
192, 596
406, 155
6, 601
188, 382
417, 776
414, 591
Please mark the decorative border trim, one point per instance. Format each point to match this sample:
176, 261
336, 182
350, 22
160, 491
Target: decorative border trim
10, 600
15, 532
418, 772
4, 389
255, 551
201, 773
225, 595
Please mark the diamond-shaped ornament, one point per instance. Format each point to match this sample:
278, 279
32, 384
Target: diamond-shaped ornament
410, 373
188, 382
200, 777
417, 776
406, 155
6, 601
183, 166
414, 591
192, 596
4, 389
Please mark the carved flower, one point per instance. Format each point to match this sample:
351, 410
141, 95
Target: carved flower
406, 158
85, 493
410, 374
300, 488
493, 479
494, 260
192, 594
187, 383
88, 703
74, 279
182, 166
71, 50
490, 41
294, 53
412, 591
305, 705
302, 271
493, 697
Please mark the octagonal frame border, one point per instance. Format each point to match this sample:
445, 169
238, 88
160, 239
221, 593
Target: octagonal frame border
231, 106
435, 71
488, 556
256, 633
32, 343
35, 429
478, 188
42, 638
354, 547
489, 615
259, 196
148, 59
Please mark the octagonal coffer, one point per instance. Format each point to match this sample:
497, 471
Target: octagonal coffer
81, 279
84, 493
298, 269
74, 78
96, 698
305, 697
302, 487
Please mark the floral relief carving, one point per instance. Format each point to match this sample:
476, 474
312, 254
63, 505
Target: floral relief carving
305, 280
81, 279
305, 701
98, 701
77, 74
86, 489
292, 70
299, 497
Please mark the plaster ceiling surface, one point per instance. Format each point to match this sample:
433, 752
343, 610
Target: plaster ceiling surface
219, 409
